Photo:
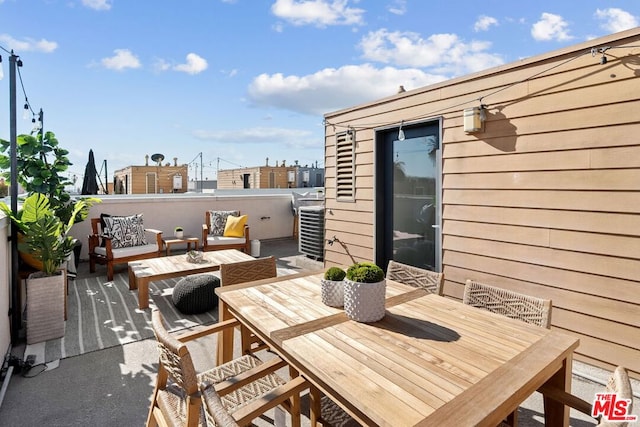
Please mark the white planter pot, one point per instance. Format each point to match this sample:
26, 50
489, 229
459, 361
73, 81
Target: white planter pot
179, 234
332, 292
364, 302
45, 307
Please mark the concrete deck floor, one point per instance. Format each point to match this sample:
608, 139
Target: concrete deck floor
112, 387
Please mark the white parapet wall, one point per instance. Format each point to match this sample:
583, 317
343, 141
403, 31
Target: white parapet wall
270, 214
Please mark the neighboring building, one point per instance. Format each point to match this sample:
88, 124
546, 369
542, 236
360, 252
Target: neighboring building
282, 176
155, 179
536, 188
205, 186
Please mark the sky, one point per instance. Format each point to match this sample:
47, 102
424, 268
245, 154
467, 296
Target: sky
221, 84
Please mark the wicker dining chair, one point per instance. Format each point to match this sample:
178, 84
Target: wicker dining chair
248, 271
618, 383
246, 386
529, 309
417, 277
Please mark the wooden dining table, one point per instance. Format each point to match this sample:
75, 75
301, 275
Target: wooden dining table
430, 361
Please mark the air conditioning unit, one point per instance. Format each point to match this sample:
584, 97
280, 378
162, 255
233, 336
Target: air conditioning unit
311, 231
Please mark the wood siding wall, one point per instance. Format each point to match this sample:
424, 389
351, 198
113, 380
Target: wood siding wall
545, 201
259, 177
136, 179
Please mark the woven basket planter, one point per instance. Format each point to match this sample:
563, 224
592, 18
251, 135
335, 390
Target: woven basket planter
364, 302
45, 307
332, 292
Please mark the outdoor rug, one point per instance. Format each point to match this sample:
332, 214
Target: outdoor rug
103, 314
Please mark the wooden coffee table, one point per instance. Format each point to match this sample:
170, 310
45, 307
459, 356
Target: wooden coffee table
147, 270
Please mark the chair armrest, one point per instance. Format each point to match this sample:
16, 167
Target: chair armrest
158, 235
94, 242
208, 330
249, 376
567, 399
275, 397
107, 246
205, 233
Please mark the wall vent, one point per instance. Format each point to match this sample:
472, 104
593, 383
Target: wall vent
345, 166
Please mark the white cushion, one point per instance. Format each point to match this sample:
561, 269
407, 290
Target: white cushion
221, 240
126, 252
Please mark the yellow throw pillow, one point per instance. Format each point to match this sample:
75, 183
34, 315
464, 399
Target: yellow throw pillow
235, 226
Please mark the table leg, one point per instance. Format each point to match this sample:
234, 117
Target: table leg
225, 338
132, 280
143, 293
555, 412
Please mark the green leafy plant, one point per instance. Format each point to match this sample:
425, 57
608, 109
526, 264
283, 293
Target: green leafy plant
41, 164
335, 274
178, 229
45, 235
365, 272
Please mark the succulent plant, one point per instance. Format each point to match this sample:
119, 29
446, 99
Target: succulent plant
334, 273
365, 272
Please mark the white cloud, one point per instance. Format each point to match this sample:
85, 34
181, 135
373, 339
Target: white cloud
550, 27
484, 23
445, 53
161, 65
122, 59
616, 20
320, 13
195, 64
332, 89
97, 4
398, 7
28, 44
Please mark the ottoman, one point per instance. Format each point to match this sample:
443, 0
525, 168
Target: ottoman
196, 294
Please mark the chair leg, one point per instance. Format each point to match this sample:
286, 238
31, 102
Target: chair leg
295, 410
110, 271
314, 406
92, 264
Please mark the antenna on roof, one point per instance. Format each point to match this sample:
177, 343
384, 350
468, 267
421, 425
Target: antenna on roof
158, 158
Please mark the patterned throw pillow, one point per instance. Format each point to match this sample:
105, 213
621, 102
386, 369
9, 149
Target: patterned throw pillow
219, 221
125, 231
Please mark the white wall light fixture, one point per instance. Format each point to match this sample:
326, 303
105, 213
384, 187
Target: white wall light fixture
474, 119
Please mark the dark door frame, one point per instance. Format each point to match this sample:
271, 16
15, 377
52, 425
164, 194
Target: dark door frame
383, 186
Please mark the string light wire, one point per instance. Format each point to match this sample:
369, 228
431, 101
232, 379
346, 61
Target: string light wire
27, 104
369, 126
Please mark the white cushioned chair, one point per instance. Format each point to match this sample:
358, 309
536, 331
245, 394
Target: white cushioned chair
217, 234
120, 239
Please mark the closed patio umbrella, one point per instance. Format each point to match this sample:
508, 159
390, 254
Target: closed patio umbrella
90, 182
